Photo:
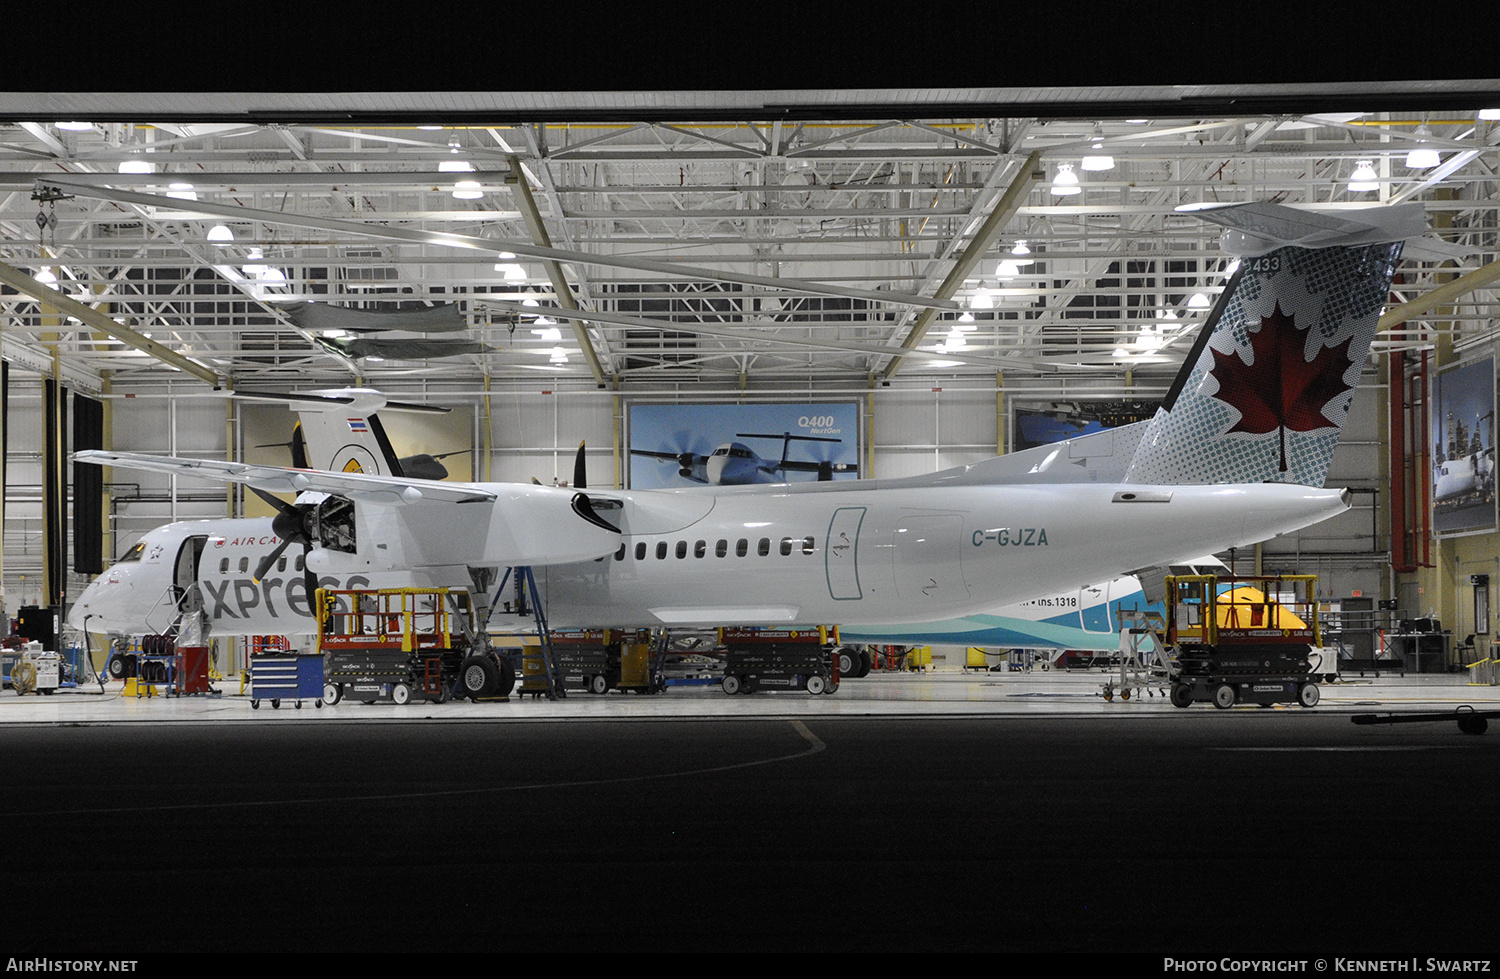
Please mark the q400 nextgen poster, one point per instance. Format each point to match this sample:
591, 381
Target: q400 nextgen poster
727, 445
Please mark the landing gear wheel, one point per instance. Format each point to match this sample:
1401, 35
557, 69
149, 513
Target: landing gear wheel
1182, 695
599, 684
864, 664
507, 678
115, 667
1308, 695
1224, 696
480, 677
731, 684
1472, 724
332, 693
848, 662
401, 694
816, 685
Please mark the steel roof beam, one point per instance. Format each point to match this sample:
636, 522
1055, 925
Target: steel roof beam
533, 219
52, 299
1441, 296
495, 246
1005, 208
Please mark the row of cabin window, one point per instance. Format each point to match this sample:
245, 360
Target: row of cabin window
245, 564
721, 549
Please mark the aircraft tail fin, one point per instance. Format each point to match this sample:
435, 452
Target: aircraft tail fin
1267, 387
341, 432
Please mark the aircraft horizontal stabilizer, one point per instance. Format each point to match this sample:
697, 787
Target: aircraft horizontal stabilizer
1259, 226
365, 400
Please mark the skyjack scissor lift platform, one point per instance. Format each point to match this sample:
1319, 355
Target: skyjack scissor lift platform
389, 644
1243, 639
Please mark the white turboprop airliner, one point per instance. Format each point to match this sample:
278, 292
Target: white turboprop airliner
877, 552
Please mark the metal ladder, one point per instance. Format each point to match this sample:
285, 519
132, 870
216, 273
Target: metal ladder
1141, 641
526, 581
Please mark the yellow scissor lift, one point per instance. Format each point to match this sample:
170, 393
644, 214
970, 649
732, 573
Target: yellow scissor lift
1243, 639
389, 644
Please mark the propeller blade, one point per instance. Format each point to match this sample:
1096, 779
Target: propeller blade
580, 474
282, 506
310, 582
270, 559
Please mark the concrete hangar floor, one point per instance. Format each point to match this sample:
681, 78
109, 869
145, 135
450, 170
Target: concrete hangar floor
934, 812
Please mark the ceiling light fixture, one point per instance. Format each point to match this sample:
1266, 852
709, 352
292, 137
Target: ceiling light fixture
1020, 254
1097, 159
220, 235
1364, 177
468, 190
1423, 157
135, 166
1066, 182
74, 127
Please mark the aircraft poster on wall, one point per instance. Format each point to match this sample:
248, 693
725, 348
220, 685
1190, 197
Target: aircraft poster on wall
1463, 450
1043, 424
675, 445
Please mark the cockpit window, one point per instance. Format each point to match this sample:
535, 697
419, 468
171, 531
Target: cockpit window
134, 554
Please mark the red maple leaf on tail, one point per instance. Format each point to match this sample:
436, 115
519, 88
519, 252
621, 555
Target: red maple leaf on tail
1279, 389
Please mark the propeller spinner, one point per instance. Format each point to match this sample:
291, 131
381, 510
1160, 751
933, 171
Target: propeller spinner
291, 524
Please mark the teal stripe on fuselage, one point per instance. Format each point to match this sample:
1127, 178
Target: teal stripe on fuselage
1057, 632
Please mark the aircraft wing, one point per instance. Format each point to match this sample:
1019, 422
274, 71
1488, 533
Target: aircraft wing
513, 525
275, 479
664, 456
676, 457
812, 467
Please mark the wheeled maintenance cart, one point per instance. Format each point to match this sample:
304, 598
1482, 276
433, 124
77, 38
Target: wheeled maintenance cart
390, 644
289, 677
587, 659
1243, 639
592, 660
778, 659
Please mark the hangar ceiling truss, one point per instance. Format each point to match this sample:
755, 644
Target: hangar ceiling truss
657, 252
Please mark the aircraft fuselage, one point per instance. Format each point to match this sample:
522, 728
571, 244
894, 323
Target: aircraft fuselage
839, 553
